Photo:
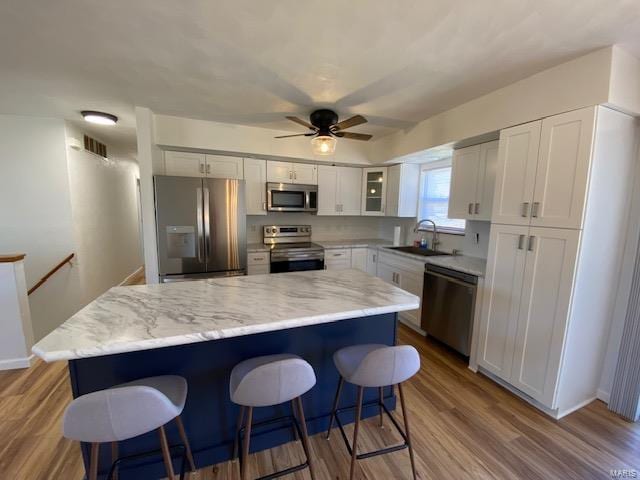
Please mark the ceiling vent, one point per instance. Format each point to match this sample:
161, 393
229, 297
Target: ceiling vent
94, 146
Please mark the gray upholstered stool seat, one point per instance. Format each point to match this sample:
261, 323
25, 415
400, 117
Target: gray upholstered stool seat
126, 411
267, 381
270, 380
379, 366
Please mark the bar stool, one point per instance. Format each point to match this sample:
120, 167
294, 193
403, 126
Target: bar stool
126, 411
378, 366
268, 381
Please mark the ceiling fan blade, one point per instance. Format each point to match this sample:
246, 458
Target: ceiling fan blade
350, 122
299, 121
353, 136
296, 135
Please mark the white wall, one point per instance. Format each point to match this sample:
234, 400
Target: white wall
177, 132
575, 84
105, 217
35, 213
51, 207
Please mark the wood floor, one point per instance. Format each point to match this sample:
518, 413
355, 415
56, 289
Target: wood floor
464, 427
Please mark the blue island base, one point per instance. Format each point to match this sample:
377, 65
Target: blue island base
209, 416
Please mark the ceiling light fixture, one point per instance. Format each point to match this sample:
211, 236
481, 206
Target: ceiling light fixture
323, 145
100, 118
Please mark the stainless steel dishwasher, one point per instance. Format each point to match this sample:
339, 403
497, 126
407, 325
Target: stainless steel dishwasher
448, 305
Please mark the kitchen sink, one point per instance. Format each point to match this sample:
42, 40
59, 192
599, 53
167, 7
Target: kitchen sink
425, 252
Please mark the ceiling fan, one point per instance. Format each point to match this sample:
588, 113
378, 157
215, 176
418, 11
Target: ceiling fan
325, 127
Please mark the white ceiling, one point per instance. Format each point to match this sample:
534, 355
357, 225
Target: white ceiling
252, 62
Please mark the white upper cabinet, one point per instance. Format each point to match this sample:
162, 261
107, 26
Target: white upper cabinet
402, 190
464, 180
279, 172
327, 190
184, 164
374, 189
563, 169
286, 172
339, 190
486, 183
348, 192
255, 177
515, 174
544, 311
221, 166
501, 301
473, 176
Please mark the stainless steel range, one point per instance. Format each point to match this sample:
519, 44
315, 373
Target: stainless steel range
292, 249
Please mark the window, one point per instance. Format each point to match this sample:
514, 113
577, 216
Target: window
434, 196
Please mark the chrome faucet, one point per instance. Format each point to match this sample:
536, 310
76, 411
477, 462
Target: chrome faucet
434, 241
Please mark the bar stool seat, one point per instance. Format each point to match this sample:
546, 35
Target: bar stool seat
379, 366
268, 381
126, 411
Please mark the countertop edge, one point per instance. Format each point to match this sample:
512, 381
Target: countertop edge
217, 335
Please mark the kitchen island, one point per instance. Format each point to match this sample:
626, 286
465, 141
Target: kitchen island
201, 329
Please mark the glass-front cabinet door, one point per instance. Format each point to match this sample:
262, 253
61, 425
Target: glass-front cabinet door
374, 191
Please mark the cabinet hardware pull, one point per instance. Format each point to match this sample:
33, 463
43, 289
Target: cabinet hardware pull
208, 168
520, 242
264, 206
471, 209
534, 209
477, 209
525, 209
530, 247
202, 168
290, 175
374, 258
295, 175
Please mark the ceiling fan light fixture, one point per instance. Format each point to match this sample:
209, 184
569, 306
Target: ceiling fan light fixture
323, 145
101, 118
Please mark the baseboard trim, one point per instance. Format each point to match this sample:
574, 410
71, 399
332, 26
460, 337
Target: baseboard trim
604, 396
131, 276
411, 325
574, 408
16, 363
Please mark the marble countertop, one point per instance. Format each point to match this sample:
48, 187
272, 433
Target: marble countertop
367, 242
462, 263
257, 247
143, 317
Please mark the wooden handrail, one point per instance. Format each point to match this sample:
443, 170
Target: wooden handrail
53, 270
12, 257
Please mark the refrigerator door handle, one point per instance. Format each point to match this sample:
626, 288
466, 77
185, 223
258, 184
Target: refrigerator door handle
199, 225
207, 223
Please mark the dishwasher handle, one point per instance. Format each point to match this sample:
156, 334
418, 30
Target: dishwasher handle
450, 274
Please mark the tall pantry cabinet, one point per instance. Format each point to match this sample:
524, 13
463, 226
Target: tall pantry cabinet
559, 218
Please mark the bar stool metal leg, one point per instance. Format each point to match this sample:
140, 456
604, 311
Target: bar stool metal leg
93, 462
236, 443
166, 455
354, 453
305, 437
185, 441
245, 445
381, 400
114, 458
406, 429
336, 401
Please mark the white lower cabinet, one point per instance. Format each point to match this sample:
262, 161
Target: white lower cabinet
258, 263
359, 258
404, 273
525, 310
337, 259
372, 261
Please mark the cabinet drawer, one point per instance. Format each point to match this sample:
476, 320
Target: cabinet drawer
258, 258
338, 254
258, 269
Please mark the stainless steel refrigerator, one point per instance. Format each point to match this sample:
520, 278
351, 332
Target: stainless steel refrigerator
201, 226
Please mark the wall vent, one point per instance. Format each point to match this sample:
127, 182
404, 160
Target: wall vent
94, 146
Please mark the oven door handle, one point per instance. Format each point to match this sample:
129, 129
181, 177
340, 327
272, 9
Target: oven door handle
298, 256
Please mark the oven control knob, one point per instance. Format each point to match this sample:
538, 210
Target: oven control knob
306, 229
268, 230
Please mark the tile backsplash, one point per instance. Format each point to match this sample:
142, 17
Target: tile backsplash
338, 228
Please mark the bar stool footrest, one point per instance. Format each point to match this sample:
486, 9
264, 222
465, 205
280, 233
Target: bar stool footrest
137, 456
382, 451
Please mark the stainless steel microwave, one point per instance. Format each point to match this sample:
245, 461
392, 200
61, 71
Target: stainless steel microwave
288, 197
